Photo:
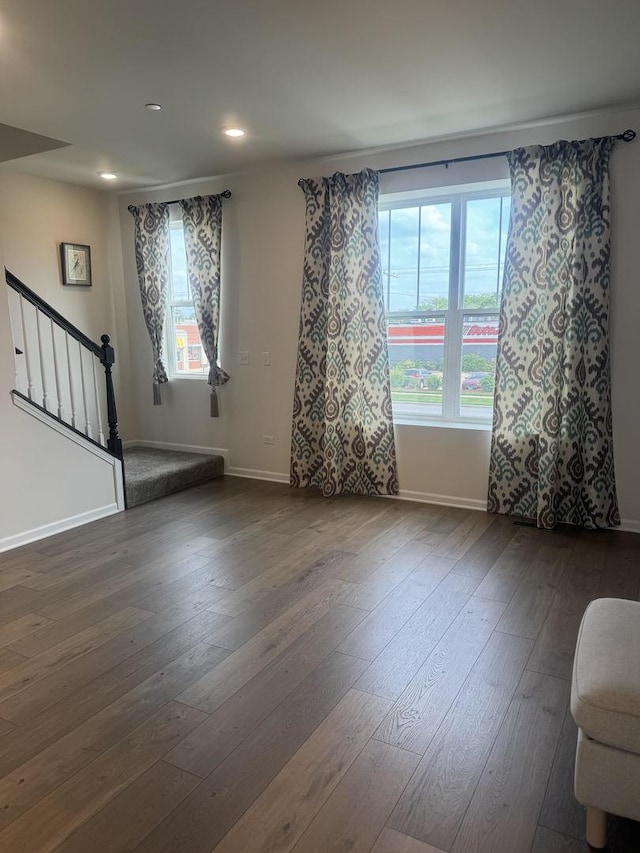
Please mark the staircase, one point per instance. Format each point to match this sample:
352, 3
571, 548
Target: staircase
152, 473
57, 379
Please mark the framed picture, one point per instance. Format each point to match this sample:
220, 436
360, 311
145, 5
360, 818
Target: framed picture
76, 264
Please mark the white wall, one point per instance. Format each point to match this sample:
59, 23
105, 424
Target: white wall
48, 481
263, 241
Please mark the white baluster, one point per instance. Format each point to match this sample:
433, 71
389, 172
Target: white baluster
43, 379
56, 372
27, 356
72, 398
97, 395
87, 426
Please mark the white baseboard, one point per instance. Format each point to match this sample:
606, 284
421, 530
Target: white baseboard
421, 497
46, 530
627, 525
441, 500
255, 474
181, 448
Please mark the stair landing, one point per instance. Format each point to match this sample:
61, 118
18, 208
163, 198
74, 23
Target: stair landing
151, 473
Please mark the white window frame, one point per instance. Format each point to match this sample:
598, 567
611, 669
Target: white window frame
169, 324
454, 315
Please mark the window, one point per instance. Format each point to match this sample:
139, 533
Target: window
442, 259
185, 354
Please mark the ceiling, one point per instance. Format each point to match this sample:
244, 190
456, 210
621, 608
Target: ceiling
303, 78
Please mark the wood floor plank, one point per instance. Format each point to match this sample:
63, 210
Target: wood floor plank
17, 601
199, 823
416, 715
134, 813
383, 555
84, 668
105, 689
31, 671
242, 628
6, 727
435, 800
241, 666
391, 841
547, 841
412, 562
620, 577
10, 661
560, 809
13, 577
376, 631
356, 812
21, 789
487, 548
208, 745
526, 612
72, 803
400, 659
241, 562
284, 577
460, 540
20, 628
281, 814
507, 800
555, 647
54, 632
294, 557
505, 575
383, 524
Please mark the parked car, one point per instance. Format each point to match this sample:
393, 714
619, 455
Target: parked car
416, 377
473, 382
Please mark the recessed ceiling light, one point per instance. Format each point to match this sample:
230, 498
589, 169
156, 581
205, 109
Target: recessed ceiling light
153, 107
108, 176
234, 131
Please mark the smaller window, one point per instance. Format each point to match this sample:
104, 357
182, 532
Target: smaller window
184, 348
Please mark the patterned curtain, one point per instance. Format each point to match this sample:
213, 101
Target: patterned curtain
152, 261
202, 221
342, 436
551, 449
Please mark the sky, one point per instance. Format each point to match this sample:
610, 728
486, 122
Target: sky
484, 244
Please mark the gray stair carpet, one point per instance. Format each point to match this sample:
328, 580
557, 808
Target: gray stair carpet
151, 473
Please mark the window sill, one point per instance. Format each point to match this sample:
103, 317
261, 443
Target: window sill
197, 376
482, 426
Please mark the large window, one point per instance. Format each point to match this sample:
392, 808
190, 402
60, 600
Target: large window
185, 355
442, 260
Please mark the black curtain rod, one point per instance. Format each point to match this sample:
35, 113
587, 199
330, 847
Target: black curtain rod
224, 194
627, 136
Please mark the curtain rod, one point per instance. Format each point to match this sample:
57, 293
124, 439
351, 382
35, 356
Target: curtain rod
224, 194
627, 136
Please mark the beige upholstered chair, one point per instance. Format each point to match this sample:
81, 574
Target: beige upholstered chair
605, 703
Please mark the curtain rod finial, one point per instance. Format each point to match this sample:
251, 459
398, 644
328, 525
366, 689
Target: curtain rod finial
628, 135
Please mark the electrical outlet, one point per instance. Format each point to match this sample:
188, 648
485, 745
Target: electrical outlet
266, 359
268, 439
243, 358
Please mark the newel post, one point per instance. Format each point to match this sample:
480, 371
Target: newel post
114, 443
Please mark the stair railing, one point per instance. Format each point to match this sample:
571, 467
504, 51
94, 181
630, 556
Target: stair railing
56, 368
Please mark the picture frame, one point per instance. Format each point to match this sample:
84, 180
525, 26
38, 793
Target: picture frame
75, 261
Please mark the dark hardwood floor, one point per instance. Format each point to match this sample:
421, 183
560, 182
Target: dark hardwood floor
245, 668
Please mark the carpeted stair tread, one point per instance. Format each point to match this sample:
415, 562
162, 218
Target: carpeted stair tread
152, 473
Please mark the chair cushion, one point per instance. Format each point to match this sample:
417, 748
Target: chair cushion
605, 691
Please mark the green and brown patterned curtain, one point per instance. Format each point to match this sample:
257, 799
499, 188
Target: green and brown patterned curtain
152, 262
342, 436
202, 222
552, 448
